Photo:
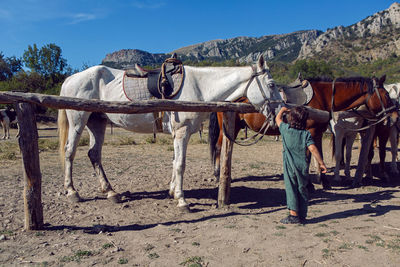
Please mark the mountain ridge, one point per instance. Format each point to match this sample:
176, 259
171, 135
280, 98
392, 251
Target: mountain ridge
375, 37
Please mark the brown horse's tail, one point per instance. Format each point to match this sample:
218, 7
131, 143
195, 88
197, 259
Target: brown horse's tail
63, 126
213, 135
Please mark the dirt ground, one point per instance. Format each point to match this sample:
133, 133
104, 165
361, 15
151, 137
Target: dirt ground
345, 227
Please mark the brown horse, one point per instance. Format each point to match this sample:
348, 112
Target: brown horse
328, 95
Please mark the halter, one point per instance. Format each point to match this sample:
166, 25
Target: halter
254, 76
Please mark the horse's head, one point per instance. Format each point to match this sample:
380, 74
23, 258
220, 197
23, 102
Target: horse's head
263, 93
379, 100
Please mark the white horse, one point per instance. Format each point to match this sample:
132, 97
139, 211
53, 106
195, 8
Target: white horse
200, 84
344, 129
8, 116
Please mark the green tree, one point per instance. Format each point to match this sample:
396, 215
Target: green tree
5, 71
311, 69
47, 61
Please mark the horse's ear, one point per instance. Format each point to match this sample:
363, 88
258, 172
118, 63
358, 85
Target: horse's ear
299, 76
382, 80
174, 55
261, 62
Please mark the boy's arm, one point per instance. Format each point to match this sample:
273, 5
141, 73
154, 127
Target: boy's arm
314, 151
278, 118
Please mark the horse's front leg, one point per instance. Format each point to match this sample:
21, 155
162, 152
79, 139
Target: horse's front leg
349, 146
366, 142
393, 148
338, 153
181, 139
4, 130
383, 138
97, 128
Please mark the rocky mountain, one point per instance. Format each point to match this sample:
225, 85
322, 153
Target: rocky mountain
377, 36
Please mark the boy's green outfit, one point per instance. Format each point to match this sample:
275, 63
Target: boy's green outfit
295, 167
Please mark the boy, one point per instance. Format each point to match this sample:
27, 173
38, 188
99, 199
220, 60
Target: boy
296, 141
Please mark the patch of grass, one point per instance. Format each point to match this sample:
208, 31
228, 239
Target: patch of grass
374, 239
254, 165
230, 226
322, 225
335, 221
362, 247
77, 256
153, 256
280, 227
194, 261
164, 141
7, 232
321, 235
170, 148
326, 240
334, 232
47, 144
125, 141
196, 244
84, 141
9, 155
369, 220
148, 247
326, 253
176, 230
122, 261
279, 234
345, 246
39, 234
107, 245
149, 140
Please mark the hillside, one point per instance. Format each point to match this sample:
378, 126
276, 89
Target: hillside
374, 38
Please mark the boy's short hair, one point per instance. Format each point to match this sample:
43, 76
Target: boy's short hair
298, 118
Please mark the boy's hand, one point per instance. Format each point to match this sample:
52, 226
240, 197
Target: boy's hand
323, 168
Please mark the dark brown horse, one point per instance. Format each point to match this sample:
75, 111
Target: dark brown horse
328, 95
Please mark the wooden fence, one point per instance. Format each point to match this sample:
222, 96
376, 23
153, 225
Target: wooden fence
28, 140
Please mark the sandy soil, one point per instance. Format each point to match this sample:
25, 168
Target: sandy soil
346, 227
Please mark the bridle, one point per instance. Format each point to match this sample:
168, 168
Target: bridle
266, 106
378, 117
255, 76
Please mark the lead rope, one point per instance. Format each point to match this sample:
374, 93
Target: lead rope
256, 136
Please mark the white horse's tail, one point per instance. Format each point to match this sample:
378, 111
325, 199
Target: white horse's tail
63, 126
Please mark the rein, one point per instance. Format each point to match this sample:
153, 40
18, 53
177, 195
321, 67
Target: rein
256, 137
378, 117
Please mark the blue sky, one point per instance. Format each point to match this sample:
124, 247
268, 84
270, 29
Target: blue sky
87, 30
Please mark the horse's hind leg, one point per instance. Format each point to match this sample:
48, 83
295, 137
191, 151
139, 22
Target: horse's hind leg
97, 128
77, 121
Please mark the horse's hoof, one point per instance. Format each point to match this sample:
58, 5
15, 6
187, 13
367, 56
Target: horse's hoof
356, 184
74, 197
114, 198
184, 209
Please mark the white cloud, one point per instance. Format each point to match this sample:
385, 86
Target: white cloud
81, 17
147, 4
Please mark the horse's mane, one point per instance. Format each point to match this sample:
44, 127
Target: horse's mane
358, 79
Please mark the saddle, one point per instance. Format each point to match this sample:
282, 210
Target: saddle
299, 92
165, 83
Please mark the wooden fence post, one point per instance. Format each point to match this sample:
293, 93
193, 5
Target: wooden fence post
224, 190
28, 143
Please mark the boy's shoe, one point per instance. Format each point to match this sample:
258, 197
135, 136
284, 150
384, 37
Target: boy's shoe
290, 219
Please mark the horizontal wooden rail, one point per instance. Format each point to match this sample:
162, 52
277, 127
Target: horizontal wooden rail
128, 107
